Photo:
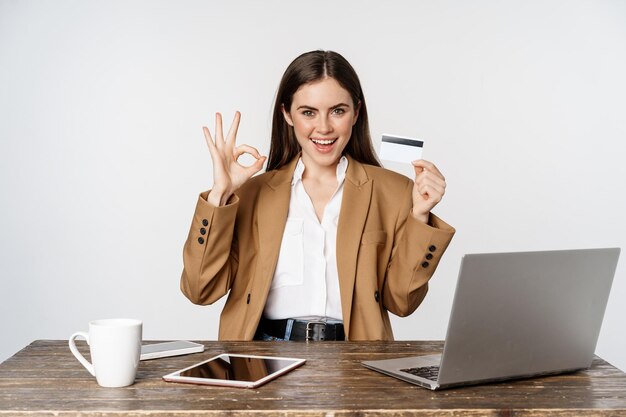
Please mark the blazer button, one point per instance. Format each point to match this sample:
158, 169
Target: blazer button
425, 264
376, 296
200, 240
429, 256
205, 222
432, 248
248, 300
202, 231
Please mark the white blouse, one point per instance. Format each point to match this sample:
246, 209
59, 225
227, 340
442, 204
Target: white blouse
306, 283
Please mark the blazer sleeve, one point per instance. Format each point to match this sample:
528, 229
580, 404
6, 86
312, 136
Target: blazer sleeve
210, 254
416, 253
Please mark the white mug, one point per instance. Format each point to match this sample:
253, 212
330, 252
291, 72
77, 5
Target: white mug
115, 347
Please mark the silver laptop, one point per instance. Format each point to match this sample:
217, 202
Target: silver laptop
517, 315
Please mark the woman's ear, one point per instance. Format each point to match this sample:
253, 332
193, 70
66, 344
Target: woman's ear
286, 115
356, 113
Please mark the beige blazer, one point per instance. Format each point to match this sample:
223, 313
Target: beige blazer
384, 256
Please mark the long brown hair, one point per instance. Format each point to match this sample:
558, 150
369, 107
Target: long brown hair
310, 67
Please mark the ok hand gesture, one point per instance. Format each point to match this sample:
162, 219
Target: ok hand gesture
228, 174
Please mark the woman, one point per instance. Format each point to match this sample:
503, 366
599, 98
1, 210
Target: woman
325, 242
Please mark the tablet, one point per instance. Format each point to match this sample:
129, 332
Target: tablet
233, 370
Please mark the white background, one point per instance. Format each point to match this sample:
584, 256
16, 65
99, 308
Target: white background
521, 104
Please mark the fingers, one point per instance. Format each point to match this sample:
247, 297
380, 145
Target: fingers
220, 142
427, 177
241, 149
430, 184
232, 132
218, 162
257, 165
426, 173
219, 133
431, 191
225, 154
209, 140
426, 166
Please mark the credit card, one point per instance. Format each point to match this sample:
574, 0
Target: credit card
400, 148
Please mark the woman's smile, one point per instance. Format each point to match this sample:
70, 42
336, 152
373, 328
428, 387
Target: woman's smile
324, 145
324, 141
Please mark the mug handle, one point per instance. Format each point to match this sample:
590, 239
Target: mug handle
78, 355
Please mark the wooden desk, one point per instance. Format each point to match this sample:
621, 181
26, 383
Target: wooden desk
45, 379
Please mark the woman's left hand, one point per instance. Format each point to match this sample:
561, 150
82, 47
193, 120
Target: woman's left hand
428, 189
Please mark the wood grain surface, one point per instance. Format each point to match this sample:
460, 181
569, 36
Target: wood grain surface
45, 379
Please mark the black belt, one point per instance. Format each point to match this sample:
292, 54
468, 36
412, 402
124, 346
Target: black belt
301, 330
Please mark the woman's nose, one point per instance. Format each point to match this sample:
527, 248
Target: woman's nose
324, 125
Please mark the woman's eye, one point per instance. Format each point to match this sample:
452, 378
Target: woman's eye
307, 113
339, 111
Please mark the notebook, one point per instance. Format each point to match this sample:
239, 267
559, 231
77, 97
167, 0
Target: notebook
517, 315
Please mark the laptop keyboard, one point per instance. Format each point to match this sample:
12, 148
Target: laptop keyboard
427, 372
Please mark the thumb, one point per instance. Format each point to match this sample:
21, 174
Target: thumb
257, 165
418, 170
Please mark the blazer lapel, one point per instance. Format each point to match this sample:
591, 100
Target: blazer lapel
357, 193
273, 207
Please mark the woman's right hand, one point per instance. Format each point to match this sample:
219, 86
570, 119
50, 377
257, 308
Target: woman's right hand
228, 174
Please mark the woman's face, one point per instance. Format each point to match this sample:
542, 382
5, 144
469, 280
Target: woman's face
322, 115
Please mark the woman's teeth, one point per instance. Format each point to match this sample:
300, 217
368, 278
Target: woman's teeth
323, 141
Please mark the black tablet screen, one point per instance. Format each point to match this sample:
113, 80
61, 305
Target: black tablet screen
236, 368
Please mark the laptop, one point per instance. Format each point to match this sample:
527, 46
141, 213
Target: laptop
517, 315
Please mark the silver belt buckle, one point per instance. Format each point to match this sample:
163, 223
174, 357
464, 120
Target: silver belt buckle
309, 329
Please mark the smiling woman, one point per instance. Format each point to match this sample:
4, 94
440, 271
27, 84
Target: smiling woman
322, 122
302, 81
326, 242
